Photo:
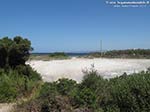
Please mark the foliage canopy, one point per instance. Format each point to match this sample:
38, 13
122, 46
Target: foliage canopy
14, 52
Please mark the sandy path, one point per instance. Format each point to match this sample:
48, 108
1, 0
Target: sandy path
72, 68
5, 107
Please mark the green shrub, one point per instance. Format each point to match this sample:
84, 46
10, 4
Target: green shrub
127, 93
8, 92
93, 80
48, 89
85, 98
14, 85
132, 93
28, 71
65, 86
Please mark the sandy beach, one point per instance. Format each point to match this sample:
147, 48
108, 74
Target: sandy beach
73, 68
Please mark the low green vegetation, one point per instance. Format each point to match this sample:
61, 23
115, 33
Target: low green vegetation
129, 53
16, 84
50, 56
58, 55
94, 94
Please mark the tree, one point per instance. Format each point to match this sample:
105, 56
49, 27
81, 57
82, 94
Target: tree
5, 46
20, 51
14, 52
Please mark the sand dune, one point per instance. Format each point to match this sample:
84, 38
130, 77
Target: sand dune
72, 68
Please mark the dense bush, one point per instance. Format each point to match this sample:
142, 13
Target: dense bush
28, 71
8, 92
65, 86
53, 96
14, 84
85, 97
127, 93
48, 89
14, 52
132, 93
93, 81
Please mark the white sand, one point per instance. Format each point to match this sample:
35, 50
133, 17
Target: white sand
5, 107
72, 68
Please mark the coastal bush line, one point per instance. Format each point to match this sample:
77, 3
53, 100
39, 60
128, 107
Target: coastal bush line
129, 53
49, 56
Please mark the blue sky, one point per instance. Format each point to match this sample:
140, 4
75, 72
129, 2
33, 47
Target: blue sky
75, 25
